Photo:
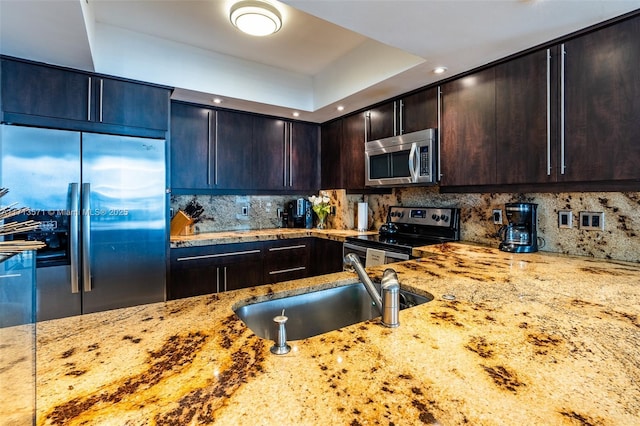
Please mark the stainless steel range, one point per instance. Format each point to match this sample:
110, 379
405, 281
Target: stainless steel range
406, 228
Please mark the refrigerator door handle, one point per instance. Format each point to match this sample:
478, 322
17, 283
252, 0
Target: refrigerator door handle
74, 237
86, 237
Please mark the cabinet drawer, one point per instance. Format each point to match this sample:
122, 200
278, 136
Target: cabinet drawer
287, 260
192, 257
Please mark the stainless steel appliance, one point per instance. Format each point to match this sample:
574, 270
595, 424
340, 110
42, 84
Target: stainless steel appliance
103, 201
520, 235
409, 159
299, 214
406, 228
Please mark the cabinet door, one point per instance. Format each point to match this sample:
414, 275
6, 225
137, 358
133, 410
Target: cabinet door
327, 257
468, 130
189, 282
239, 275
132, 104
233, 150
382, 121
331, 154
269, 154
304, 157
287, 260
353, 151
191, 147
419, 111
44, 91
602, 107
523, 104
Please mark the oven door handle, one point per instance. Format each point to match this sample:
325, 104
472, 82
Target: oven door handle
413, 169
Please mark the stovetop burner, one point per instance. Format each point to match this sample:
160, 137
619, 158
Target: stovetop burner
409, 227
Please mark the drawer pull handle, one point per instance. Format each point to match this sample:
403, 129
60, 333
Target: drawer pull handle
284, 271
211, 256
288, 248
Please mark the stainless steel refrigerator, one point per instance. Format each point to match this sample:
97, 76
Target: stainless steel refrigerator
102, 202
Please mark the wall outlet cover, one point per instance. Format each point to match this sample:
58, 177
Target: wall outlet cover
565, 219
592, 221
497, 216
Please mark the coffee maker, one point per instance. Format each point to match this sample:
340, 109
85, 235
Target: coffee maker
520, 235
299, 214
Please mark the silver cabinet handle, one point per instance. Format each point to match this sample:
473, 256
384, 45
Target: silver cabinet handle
215, 148
284, 155
101, 92
225, 278
562, 153
210, 256
208, 148
401, 110
395, 115
548, 112
284, 271
74, 242
439, 130
217, 280
288, 247
367, 116
86, 237
290, 154
89, 99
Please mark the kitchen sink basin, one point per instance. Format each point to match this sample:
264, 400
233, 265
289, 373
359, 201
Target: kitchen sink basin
318, 312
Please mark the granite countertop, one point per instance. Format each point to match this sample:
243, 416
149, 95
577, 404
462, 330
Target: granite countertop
252, 235
529, 339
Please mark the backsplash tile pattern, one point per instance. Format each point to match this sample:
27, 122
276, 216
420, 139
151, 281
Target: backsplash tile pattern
620, 239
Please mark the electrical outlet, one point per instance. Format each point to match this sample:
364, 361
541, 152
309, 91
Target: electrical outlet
592, 221
565, 219
497, 216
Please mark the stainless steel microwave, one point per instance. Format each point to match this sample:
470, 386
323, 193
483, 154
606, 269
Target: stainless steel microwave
409, 159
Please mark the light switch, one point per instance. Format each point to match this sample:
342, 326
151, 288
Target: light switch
565, 219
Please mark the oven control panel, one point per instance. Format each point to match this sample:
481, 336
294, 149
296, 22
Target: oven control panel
428, 216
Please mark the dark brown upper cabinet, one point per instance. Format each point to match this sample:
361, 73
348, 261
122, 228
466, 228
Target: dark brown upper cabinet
343, 153
600, 93
41, 95
215, 149
526, 110
468, 138
417, 111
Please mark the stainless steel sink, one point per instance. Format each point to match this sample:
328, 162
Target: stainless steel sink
318, 312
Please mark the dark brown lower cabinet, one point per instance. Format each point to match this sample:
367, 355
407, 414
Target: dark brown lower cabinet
287, 259
326, 257
211, 269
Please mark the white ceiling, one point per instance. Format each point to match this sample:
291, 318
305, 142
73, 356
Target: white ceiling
328, 53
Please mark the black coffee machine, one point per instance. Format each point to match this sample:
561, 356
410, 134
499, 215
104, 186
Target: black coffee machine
298, 214
520, 235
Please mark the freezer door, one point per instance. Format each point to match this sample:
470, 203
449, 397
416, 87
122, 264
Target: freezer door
124, 208
41, 167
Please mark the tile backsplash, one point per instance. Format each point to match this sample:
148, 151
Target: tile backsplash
620, 239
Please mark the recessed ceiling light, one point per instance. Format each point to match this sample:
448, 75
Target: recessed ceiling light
340, 108
296, 114
257, 18
439, 70
217, 100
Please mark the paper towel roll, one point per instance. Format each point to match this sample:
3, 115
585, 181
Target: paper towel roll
363, 216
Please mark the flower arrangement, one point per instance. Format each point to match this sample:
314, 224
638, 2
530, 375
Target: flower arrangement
320, 205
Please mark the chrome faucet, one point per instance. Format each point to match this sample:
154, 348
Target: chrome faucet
389, 302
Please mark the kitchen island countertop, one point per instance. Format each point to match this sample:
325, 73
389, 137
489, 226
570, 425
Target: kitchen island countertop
529, 339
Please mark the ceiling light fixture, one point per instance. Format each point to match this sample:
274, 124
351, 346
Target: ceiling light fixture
439, 70
340, 108
296, 114
256, 18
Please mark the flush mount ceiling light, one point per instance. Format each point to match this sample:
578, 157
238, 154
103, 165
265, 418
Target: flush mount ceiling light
255, 18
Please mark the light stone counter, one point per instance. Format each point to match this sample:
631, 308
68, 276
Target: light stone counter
530, 339
229, 237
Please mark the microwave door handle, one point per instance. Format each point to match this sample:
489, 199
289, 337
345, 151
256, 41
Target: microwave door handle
412, 163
